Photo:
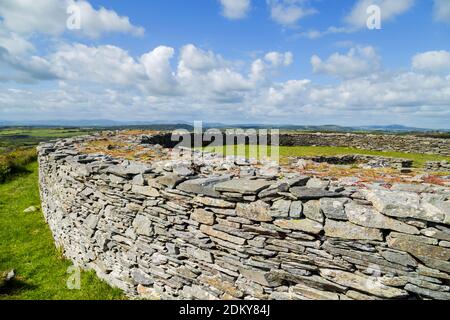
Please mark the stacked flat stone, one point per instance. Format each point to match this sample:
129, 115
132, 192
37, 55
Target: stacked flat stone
224, 229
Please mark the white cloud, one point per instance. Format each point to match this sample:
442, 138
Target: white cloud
50, 17
194, 58
432, 61
278, 59
107, 82
441, 11
357, 18
389, 11
235, 9
14, 43
359, 61
289, 12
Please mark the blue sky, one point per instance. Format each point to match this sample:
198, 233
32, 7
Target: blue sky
232, 61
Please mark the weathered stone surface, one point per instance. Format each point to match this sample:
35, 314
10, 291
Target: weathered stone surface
200, 254
435, 233
317, 183
362, 283
143, 225
268, 279
146, 191
399, 257
218, 203
280, 209
256, 211
419, 249
312, 210
306, 225
314, 294
296, 210
170, 180
368, 217
404, 205
428, 293
221, 235
347, 230
203, 216
222, 285
304, 193
203, 186
243, 186
334, 208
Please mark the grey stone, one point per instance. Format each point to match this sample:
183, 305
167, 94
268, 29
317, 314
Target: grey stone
317, 183
170, 180
203, 186
363, 283
268, 279
312, 210
399, 257
256, 211
296, 210
280, 209
203, 216
347, 230
334, 208
218, 203
427, 293
145, 191
368, 217
304, 193
243, 186
419, 249
306, 225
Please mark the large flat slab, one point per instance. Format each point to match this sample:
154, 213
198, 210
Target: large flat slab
243, 186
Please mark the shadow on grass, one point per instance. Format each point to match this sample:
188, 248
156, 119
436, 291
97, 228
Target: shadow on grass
14, 287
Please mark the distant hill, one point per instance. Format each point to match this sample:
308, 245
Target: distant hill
104, 123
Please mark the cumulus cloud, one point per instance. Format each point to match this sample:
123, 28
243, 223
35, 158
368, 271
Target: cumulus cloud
389, 11
289, 12
278, 59
357, 62
441, 11
201, 84
432, 61
50, 17
235, 9
357, 18
14, 43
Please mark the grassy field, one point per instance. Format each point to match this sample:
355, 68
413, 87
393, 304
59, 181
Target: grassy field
26, 245
285, 152
25, 137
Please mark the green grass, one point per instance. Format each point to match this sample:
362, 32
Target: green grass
419, 159
14, 137
26, 245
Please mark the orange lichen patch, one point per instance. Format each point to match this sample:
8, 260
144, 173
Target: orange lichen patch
139, 132
120, 148
433, 179
387, 175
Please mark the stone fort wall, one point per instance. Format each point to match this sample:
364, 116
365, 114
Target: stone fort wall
377, 142
228, 230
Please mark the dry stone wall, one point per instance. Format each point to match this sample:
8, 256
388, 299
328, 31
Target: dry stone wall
377, 142
223, 229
